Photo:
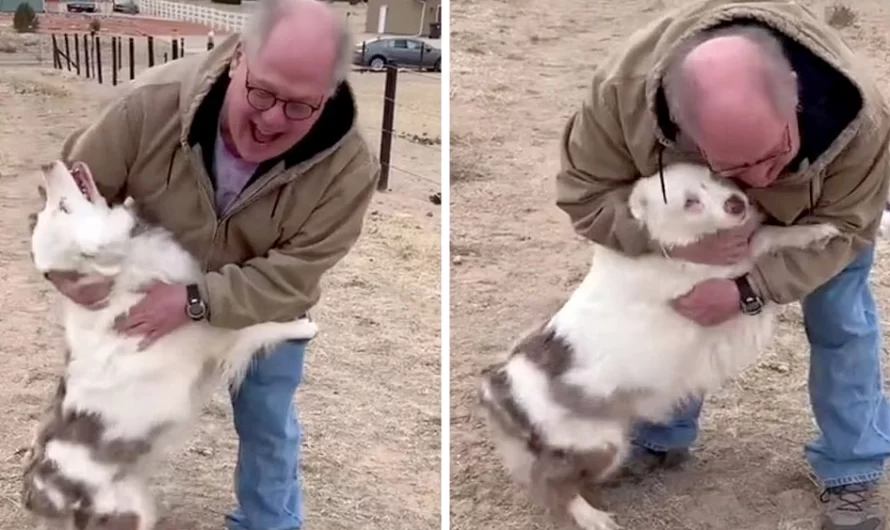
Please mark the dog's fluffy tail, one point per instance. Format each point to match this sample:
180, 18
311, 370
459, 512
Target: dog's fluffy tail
257, 340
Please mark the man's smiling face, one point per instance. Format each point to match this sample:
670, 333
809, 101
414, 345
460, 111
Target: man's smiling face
275, 97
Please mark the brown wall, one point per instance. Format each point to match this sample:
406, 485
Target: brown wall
403, 16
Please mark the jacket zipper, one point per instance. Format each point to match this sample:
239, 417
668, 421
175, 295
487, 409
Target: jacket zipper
204, 182
196, 159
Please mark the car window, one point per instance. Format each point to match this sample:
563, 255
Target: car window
413, 45
400, 43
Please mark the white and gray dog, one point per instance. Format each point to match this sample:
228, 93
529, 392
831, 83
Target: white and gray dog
561, 405
118, 409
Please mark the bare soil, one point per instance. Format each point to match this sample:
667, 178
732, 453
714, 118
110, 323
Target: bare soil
370, 404
519, 69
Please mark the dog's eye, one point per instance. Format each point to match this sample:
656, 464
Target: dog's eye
64, 207
691, 202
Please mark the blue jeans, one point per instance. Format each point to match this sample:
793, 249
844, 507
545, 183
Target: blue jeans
267, 473
845, 384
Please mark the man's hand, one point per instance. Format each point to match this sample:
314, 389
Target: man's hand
710, 303
92, 295
159, 313
726, 247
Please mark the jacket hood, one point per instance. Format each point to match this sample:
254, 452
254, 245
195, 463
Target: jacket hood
793, 21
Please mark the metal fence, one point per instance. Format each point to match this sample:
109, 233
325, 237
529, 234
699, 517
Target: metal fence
117, 59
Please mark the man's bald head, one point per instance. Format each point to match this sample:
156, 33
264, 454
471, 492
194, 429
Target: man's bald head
302, 31
733, 94
734, 74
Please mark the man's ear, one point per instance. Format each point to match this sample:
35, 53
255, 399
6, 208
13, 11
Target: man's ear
237, 57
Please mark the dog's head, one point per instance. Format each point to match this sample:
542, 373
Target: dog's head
77, 231
698, 203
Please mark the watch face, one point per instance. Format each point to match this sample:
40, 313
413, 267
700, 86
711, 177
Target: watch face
752, 305
195, 310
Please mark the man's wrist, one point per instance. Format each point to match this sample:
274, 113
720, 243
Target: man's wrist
750, 302
196, 306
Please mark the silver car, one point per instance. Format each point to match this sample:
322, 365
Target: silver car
406, 52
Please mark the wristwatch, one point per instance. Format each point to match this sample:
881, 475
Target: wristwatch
195, 308
750, 303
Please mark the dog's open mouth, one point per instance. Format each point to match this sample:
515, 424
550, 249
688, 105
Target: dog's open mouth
81, 180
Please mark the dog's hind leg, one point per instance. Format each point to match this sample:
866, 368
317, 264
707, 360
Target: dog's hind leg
55, 524
126, 505
115, 521
589, 518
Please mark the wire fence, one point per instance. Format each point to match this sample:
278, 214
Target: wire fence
115, 60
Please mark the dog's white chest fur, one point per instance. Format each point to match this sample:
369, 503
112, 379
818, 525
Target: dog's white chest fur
625, 334
108, 374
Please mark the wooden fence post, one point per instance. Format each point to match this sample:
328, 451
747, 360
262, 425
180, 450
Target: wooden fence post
389, 112
114, 61
67, 52
98, 59
86, 54
57, 61
132, 58
77, 54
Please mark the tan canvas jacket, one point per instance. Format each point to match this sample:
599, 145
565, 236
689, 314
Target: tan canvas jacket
265, 258
615, 137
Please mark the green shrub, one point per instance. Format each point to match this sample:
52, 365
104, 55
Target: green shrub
24, 19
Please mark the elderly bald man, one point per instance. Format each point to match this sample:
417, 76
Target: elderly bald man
251, 155
766, 94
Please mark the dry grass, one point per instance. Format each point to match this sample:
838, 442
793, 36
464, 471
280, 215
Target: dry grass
42, 85
840, 15
519, 69
370, 399
12, 42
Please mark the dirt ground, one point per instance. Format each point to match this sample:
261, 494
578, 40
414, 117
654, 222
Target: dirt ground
519, 69
370, 404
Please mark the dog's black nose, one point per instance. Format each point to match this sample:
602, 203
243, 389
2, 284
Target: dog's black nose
735, 204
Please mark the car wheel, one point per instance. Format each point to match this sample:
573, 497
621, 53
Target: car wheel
377, 63
438, 66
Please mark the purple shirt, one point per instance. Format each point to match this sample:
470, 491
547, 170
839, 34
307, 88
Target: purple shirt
231, 172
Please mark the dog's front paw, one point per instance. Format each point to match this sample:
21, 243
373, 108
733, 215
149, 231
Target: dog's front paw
825, 231
589, 518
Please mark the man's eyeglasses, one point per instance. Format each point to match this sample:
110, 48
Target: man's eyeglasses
735, 170
688, 148
261, 99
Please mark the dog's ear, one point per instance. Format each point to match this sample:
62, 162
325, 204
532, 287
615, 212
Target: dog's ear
638, 203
